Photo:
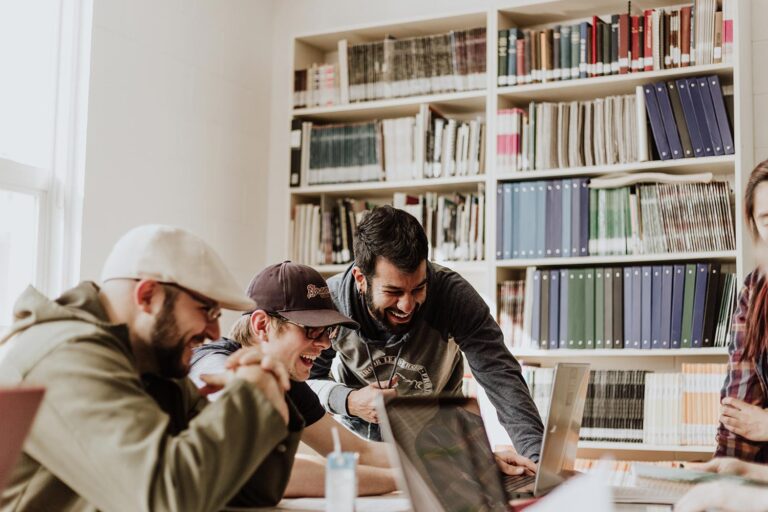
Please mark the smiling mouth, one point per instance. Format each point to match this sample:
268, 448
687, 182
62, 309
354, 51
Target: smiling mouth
307, 359
400, 317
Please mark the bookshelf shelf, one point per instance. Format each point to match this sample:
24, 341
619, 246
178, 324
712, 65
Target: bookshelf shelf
717, 165
455, 102
459, 266
385, 188
603, 445
618, 260
588, 88
619, 352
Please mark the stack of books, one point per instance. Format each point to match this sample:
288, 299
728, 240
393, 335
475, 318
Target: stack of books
641, 307
688, 118
427, 145
628, 42
570, 218
454, 225
316, 86
603, 131
637, 406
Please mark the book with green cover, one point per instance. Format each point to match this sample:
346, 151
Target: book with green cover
600, 306
575, 308
589, 308
688, 295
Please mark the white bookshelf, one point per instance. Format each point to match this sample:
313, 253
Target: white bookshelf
485, 275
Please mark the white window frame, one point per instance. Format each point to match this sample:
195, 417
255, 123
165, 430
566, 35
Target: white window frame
59, 190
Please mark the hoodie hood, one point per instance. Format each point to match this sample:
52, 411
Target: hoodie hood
80, 303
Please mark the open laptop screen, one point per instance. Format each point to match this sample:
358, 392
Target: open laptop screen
445, 453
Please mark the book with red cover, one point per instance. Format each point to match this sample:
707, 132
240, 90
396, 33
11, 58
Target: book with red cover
648, 49
624, 37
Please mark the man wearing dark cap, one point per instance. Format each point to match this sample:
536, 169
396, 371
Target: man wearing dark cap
293, 321
121, 428
416, 319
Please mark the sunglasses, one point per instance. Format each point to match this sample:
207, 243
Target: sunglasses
211, 309
312, 333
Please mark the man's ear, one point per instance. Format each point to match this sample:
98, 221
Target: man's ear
360, 281
260, 324
144, 293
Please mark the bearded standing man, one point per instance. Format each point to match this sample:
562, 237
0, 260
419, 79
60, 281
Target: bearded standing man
416, 319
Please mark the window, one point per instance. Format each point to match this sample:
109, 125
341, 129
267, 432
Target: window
44, 54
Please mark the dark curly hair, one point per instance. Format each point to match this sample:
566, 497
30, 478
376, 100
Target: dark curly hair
391, 234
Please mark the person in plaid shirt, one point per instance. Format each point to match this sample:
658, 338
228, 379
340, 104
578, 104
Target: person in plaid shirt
743, 430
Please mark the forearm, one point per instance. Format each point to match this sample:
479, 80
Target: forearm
332, 395
308, 479
374, 454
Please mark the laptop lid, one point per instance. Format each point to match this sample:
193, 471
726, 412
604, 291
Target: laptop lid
440, 445
561, 433
18, 406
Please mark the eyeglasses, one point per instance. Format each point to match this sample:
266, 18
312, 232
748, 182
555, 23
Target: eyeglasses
211, 309
312, 333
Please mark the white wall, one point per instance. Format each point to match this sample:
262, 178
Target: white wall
177, 125
315, 16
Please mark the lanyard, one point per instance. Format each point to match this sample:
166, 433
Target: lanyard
394, 368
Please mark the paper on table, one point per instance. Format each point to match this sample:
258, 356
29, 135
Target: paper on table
368, 504
584, 492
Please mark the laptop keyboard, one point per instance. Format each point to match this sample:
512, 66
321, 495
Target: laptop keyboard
514, 482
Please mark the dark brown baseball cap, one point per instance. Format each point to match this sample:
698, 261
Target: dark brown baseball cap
298, 293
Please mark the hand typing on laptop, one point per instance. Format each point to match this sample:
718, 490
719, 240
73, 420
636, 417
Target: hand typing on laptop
512, 463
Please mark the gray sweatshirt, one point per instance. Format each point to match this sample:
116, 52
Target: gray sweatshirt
453, 319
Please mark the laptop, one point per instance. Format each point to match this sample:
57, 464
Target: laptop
18, 406
447, 462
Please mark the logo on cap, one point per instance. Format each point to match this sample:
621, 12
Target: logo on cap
315, 291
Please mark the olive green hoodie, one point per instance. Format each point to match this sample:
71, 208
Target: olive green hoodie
101, 441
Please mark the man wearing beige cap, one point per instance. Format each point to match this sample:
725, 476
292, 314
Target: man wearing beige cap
294, 320
120, 427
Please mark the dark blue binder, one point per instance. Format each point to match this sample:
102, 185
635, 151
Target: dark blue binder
628, 307
656, 280
668, 120
563, 328
712, 307
690, 118
584, 218
541, 218
510, 220
699, 301
544, 336
637, 306
499, 221
723, 125
709, 115
676, 322
645, 308
565, 242
554, 308
701, 120
536, 311
657, 125
665, 308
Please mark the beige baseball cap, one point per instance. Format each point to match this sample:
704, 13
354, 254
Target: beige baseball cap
172, 255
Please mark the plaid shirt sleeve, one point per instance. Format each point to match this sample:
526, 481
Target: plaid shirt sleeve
742, 381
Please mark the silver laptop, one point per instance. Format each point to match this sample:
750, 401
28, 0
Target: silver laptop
446, 461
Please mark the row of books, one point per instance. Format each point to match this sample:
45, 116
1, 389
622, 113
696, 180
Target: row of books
636, 406
699, 386
454, 224
685, 305
567, 218
427, 145
688, 118
617, 44
603, 131
391, 68
316, 86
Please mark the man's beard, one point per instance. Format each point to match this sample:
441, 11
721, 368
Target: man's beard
168, 358
381, 315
